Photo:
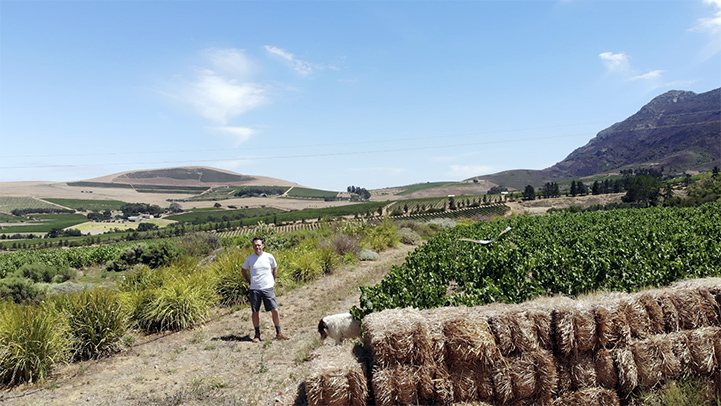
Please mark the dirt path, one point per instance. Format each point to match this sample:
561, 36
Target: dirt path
215, 364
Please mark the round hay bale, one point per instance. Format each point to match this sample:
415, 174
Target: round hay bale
649, 299
670, 313
627, 369
606, 372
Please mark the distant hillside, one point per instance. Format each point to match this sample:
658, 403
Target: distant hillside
188, 176
678, 130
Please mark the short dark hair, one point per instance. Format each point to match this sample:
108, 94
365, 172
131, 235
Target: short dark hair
258, 239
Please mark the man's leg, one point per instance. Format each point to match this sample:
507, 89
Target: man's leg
256, 325
276, 321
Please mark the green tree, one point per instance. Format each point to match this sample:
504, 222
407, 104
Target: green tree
529, 193
643, 189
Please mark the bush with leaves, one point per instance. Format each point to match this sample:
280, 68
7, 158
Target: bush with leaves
19, 290
199, 244
33, 339
230, 285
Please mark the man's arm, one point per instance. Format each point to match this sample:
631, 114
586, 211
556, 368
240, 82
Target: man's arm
246, 274
275, 273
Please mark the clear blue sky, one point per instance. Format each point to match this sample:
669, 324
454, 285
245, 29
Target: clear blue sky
330, 94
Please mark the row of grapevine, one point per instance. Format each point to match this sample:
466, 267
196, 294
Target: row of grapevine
561, 254
58, 258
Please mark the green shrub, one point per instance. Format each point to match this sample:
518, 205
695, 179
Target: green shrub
368, 255
37, 272
382, 236
179, 304
230, 285
129, 257
409, 237
304, 265
19, 290
160, 254
327, 257
97, 319
141, 277
346, 244
33, 339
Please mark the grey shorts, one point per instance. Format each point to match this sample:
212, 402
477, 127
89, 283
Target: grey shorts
267, 296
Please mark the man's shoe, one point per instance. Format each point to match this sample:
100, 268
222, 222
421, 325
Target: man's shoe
281, 336
256, 339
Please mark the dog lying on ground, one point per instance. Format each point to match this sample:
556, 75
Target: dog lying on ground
339, 327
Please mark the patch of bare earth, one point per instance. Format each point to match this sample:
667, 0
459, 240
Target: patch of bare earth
216, 363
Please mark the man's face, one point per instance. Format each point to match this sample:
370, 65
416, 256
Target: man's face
258, 247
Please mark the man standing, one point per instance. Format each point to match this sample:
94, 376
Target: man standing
260, 271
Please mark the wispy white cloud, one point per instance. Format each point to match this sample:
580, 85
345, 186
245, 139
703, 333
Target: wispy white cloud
223, 89
467, 171
712, 26
237, 135
302, 67
653, 75
615, 62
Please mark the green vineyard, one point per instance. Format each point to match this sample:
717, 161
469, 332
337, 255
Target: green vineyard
562, 254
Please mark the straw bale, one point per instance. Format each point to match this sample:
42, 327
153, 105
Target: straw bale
605, 369
709, 306
702, 343
564, 330
464, 384
436, 319
500, 327
649, 299
563, 372
669, 363
710, 283
627, 369
680, 347
398, 336
585, 327
523, 375
637, 317
648, 362
484, 383
502, 382
523, 331
541, 319
583, 370
400, 384
468, 338
474, 403
336, 378
611, 325
589, 397
689, 314
546, 375
670, 313
442, 387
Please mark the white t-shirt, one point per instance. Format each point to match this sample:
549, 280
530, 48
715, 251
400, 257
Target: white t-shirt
261, 270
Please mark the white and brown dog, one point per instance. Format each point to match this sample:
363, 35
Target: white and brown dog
339, 327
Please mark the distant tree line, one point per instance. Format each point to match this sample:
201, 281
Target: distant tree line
22, 212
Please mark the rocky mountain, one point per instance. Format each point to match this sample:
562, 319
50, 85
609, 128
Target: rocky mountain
678, 130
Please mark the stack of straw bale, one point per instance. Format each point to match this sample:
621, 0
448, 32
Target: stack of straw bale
337, 377
550, 351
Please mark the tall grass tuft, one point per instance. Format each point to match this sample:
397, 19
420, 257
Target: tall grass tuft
98, 321
230, 285
179, 304
33, 339
141, 277
303, 265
